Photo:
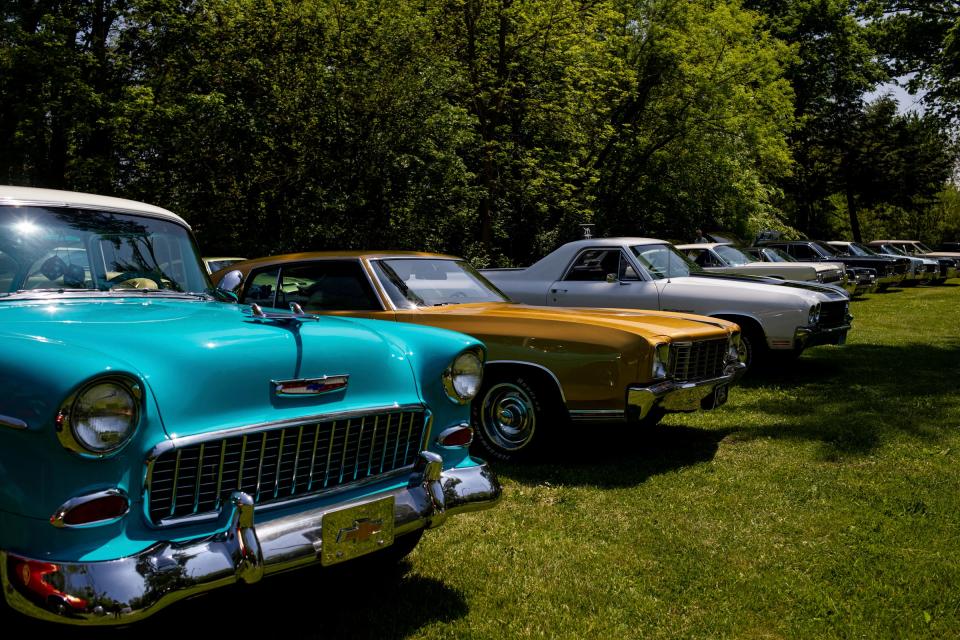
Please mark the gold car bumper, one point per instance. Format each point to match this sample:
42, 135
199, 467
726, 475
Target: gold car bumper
672, 396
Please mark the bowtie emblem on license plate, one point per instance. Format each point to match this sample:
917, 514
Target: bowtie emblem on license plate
356, 530
310, 386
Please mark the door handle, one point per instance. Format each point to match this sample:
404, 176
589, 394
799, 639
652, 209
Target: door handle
558, 290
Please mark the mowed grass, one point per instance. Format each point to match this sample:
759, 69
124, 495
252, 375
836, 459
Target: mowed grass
822, 502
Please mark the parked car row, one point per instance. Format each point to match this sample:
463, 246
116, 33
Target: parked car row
166, 432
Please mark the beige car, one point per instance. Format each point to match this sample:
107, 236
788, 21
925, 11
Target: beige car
721, 257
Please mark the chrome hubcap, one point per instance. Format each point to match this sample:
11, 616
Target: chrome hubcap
508, 417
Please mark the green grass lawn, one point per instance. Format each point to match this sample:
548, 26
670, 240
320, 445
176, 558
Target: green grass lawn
823, 501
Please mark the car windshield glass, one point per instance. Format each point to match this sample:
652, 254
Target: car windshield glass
664, 261
923, 247
429, 282
827, 249
893, 249
732, 255
859, 250
53, 249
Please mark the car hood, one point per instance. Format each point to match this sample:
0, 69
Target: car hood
532, 321
209, 365
761, 285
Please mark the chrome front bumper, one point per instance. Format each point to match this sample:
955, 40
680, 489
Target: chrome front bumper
139, 586
813, 336
680, 396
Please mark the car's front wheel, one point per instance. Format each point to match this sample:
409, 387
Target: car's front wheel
752, 349
509, 415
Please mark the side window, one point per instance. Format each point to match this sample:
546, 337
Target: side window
593, 265
262, 288
702, 257
328, 285
8, 271
802, 252
626, 270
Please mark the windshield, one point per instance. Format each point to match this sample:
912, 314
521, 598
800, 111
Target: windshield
857, 249
732, 255
664, 261
827, 249
923, 247
57, 250
428, 282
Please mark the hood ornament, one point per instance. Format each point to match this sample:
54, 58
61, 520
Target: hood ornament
309, 386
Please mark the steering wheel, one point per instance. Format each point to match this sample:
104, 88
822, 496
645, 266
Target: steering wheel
134, 280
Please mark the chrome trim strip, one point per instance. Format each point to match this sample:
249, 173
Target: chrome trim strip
587, 415
276, 475
263, 450
176, 477
13, 423
196, 484
326, 469
296, 460
373, 445
223, 453
186, 441
526, 363
58, 516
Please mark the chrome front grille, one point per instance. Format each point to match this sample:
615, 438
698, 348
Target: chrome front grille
274, 464
699, 360
833, 314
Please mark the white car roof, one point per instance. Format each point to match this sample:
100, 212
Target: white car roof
702, 245
23, 196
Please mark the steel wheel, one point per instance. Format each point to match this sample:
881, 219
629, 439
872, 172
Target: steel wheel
506, 415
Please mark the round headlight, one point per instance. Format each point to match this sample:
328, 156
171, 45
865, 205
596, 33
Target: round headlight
461, 380
101, 418
814, 315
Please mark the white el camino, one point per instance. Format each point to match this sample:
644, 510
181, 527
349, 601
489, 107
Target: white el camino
721, 257
642, 273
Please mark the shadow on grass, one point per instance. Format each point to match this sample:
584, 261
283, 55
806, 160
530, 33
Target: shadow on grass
850, 400
353, 600
618, 455
854, 398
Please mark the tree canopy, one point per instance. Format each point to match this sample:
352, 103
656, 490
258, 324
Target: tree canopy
487, 128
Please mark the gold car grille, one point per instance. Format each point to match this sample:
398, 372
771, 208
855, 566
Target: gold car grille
699, 360
278, 464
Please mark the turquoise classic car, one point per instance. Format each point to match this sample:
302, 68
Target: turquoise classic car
156, 443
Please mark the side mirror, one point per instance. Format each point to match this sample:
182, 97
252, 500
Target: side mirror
231, 281
612, 278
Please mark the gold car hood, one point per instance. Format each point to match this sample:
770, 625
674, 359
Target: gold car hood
676, 326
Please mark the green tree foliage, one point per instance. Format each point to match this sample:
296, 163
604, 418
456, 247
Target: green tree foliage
921, 42
700, 133
488, 128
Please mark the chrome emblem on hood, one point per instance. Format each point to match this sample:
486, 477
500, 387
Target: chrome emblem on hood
310, 386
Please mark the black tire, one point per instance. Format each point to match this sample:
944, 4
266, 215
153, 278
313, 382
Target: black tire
509, 416
753, 348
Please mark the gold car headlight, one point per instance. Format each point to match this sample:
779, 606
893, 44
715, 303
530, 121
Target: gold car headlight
733, 347
661, 361
101, 417
462, 379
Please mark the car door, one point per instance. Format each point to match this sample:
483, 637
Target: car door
604, 277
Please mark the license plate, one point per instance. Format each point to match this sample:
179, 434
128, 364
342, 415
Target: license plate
356, 530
